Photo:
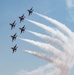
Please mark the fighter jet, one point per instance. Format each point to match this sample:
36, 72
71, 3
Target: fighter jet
22, 29
13, 25
14, 48
13, 37
30, 11
21, 18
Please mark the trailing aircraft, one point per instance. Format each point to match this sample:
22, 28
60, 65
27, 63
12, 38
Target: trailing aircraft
13, 37
22, 29
14, 48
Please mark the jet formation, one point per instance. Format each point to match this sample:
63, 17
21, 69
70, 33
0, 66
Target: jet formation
14, 48
22, 29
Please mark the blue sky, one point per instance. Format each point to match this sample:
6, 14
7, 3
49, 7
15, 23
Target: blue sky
10, 10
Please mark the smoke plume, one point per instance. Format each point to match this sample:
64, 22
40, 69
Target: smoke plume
64, 59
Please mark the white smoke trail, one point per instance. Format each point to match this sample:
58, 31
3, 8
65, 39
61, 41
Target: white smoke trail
59, 64
40, 55
55, 22
66, 61
48, 38
43, 26
56, 33
54, 41
46, 47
